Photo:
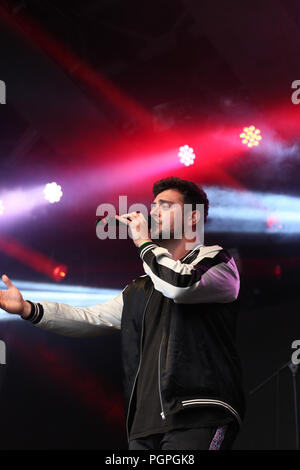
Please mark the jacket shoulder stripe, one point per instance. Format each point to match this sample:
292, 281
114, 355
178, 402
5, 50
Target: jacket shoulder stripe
181, 274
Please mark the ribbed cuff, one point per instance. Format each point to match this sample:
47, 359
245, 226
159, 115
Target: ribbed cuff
36, 312
145, 246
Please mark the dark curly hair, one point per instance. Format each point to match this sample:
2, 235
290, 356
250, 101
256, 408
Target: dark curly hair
192, 193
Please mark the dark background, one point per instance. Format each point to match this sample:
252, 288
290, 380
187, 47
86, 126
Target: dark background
93, 89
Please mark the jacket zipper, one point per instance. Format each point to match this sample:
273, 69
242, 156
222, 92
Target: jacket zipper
140, 362
162, 414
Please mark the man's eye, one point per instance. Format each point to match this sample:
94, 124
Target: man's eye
165, 206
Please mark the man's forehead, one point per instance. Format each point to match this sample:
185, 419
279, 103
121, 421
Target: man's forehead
171, 195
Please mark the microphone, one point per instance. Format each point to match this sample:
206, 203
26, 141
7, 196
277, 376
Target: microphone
112, 221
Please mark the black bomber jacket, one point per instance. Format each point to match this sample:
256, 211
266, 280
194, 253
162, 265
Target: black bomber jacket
198, 362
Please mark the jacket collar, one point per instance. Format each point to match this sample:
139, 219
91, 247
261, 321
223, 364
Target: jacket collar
196, 247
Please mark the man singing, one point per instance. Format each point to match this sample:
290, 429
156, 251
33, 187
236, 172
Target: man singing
182, 375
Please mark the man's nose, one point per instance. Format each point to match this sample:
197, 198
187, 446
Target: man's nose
154, 211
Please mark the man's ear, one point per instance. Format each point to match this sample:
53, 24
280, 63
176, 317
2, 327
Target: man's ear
194, 217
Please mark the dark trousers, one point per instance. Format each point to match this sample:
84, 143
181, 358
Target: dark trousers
210, 438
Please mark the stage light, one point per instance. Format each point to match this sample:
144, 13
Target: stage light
53, 192
251, 136
77, 296
273, 223
1, 208
277, 271
237, 211
32, 258
186, 155
59, 273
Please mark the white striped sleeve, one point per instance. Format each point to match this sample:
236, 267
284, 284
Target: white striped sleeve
211, 277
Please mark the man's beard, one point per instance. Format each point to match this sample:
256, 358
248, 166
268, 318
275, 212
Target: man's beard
158, 233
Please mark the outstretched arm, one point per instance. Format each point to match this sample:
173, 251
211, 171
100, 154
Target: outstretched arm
62, 318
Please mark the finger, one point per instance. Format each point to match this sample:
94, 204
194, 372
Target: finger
129, 217
7, 281
120, 217
131, 214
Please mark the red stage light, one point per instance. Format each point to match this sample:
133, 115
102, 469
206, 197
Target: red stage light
59, 272
277, 271
36, 260
273, 223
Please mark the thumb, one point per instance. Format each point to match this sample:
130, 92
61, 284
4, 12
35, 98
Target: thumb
7, 281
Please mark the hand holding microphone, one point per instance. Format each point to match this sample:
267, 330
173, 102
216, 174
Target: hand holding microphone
138, 226
113, 221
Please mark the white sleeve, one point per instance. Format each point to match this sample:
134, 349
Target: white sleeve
212, 277
77, 321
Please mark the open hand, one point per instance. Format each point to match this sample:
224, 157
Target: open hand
11, 300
